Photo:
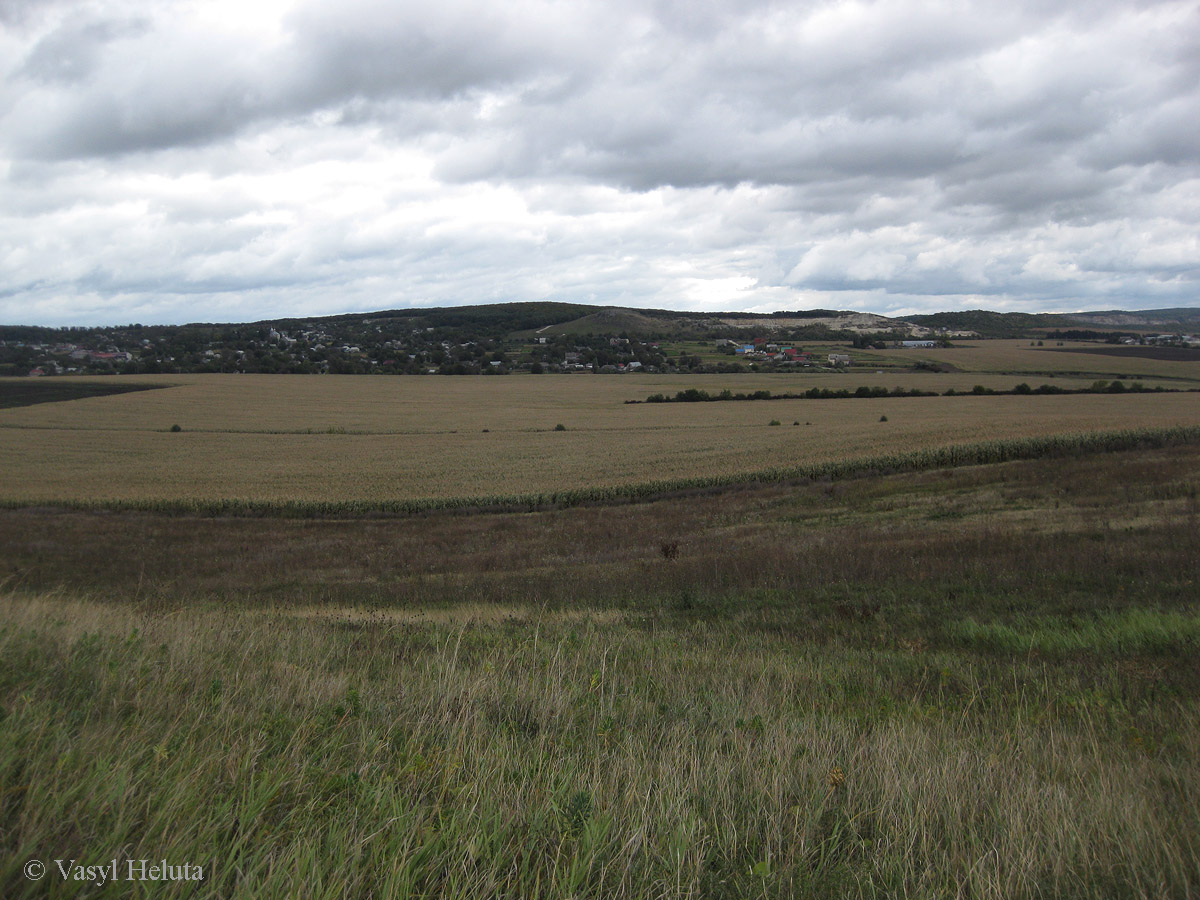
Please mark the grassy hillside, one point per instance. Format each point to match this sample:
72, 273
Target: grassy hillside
642, 323
977, 682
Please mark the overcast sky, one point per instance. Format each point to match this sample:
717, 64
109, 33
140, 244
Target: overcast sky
233, 160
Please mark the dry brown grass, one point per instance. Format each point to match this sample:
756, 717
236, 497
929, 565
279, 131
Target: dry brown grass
1030, 516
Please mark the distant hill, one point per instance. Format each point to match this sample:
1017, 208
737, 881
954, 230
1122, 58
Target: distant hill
993, 324
503, 337
1164, 319
1018, 325
844, 321
493, 318
663, 323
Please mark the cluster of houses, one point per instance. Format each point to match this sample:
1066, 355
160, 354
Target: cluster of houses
763, 349
780, 354
83, 356
1177, 339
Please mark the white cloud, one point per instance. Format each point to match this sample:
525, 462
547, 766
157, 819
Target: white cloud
204, 159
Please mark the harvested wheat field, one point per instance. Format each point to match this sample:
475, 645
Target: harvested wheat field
294, 439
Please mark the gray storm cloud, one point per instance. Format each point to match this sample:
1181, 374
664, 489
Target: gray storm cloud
296, 158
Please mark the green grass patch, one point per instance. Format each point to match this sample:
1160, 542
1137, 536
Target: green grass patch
1127, 632
307, 758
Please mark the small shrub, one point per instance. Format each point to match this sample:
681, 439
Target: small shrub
883, 418
774, 422
576, 813
176, 428
560, 427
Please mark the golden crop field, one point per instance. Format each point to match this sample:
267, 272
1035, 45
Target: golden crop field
348, 438
381, 405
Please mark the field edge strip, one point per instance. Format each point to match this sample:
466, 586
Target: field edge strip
949, 456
